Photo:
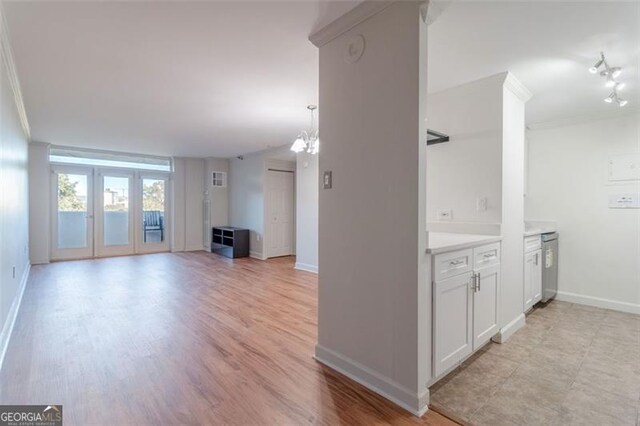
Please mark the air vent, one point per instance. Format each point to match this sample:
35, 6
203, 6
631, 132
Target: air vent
219, 179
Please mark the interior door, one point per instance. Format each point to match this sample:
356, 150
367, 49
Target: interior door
114, 219
152, 223
72, 214
486, 305
280, 185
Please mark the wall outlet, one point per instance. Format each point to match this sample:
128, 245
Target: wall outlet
14, 272
445, 215
481, 204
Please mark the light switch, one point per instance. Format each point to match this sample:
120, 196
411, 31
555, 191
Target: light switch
327, 180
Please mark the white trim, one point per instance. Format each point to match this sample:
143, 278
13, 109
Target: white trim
508, 330
9, 323
569, 121
257, 255
416, 404
517, 88
344, 23
632, 308
14, 82
306, 267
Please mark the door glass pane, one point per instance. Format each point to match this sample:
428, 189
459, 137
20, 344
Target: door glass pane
116, 211
153, 196
72, 211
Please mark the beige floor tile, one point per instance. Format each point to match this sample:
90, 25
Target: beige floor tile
589, 405
509, 350
622, 320
491, 364
615, 378
466, 392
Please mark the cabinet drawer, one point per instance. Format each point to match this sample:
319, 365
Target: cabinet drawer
532, 243
451, 264
486, 255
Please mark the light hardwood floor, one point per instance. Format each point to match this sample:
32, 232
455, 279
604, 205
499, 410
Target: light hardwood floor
187, 338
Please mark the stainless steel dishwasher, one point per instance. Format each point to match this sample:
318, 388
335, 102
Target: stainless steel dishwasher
549, 266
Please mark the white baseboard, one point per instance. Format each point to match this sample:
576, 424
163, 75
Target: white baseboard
39, 261
416, 404
598, 302
257, 255
508, 330
7, 329
306, 267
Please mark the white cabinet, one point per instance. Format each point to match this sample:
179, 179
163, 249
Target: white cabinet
466, 289
532, 278
486, 305
452, 321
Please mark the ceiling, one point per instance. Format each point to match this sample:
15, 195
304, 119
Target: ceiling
228, 78
168, 78
547, 45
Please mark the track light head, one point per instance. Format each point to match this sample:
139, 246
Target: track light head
620, 86
615, 72
594, 68
610, 98
622, 102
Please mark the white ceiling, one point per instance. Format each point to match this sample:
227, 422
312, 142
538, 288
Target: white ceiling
547, 45
168, 78
228, 78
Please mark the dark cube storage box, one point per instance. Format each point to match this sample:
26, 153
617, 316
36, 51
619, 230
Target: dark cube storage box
230, 241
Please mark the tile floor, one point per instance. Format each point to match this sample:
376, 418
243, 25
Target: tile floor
570, 365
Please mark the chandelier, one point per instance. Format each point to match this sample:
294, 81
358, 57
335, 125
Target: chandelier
308, 139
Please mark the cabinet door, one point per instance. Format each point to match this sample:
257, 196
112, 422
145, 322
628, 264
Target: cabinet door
529, 259
536, 277
452, 322
486, 305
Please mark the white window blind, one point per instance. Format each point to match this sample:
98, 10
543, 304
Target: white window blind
88, 157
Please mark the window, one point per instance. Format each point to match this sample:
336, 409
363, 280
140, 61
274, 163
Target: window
219, 179
66, 155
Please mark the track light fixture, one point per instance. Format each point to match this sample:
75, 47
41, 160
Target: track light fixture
594, 69
610, 74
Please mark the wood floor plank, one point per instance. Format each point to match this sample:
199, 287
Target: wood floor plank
181, 338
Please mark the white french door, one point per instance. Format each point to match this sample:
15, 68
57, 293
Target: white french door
114, 218
153, 214
100, 212
72, 216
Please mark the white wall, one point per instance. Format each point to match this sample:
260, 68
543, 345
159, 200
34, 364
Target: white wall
470, 165
14, 198
374, 300
219, 197
567, 183
246, 194
188, 196
39, 203
307, 187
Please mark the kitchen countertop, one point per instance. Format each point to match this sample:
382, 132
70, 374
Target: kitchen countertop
442, 242
537, 228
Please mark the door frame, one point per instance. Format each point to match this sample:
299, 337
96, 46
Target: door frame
74, 253
286, 167
116, 250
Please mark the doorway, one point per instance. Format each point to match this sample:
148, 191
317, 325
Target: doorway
99, 212
279, 208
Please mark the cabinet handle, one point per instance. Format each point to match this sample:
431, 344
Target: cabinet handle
456, 262
478, 280
489, 256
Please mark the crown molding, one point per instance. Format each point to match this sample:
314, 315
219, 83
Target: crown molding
586, 118
12, 75
516, 86
344, 23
